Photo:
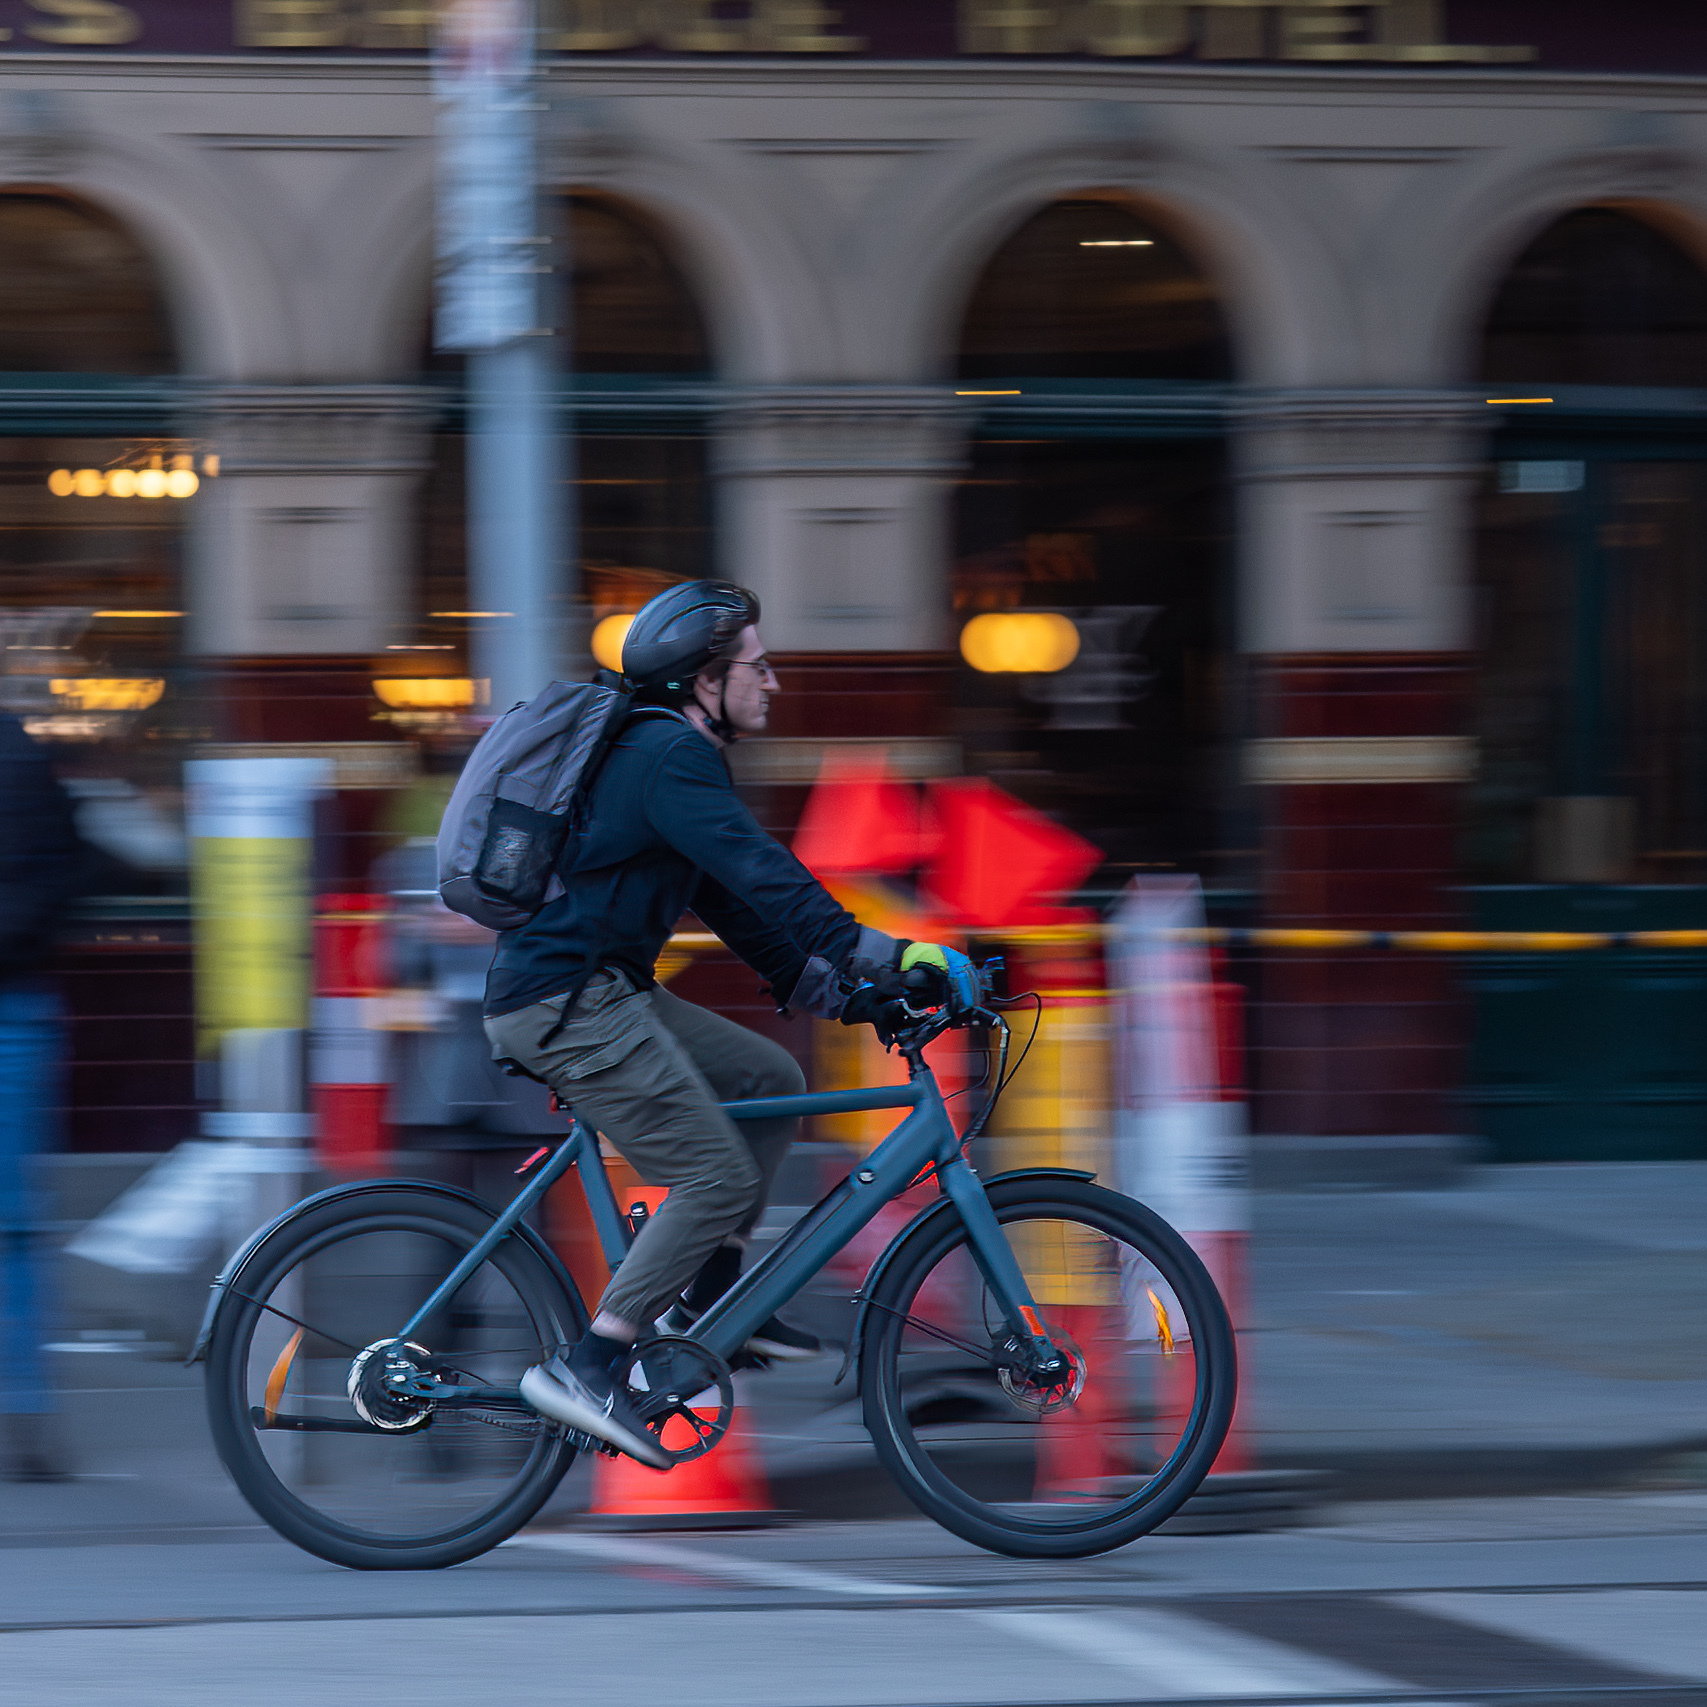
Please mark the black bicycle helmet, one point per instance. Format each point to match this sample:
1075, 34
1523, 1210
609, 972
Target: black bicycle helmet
675, 635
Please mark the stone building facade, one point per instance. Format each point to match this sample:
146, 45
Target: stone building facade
1348, 192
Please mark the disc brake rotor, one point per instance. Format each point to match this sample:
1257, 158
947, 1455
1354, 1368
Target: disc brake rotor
1033, 1393
374, 1381
683, 1391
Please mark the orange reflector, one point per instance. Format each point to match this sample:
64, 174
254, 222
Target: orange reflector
281, 1374
1164, 1328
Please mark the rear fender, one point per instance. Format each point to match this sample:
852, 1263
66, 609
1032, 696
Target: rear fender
240, 1259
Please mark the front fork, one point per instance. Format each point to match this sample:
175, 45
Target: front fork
1040, 1357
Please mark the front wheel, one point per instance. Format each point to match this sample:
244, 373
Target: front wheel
1072, 1469
302, 1416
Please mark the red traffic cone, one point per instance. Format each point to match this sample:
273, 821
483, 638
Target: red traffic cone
723, 1489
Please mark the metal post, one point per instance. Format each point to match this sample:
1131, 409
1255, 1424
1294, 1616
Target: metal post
493, 263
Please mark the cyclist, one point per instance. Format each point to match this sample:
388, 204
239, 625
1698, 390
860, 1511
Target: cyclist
571, 999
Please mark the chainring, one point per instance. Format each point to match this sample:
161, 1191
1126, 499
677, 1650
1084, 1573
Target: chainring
1037, 1397
671, 1381
375, 1398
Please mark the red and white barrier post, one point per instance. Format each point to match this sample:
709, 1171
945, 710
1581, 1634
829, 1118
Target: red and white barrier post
1181, 1137
347, 1066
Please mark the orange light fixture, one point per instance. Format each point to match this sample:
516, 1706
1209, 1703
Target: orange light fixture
108, 693
426, 693
608, 637
1019, 642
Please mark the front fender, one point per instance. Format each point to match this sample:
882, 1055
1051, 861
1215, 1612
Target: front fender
942, 1207
240, 1259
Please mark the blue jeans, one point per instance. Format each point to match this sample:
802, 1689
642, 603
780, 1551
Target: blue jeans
31, 1047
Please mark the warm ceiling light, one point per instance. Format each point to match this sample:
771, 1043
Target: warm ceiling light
1117, 242
1019, 642
62, 483
138, 613
121, 483
151, 482
108, 693
470, 613
88, 483
425, 693
181, 483
608, 638
987, 394
1520, 399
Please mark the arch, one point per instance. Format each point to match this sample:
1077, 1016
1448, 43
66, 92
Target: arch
1285, 304
78, 292
1088, 288
1601, 296
633, 309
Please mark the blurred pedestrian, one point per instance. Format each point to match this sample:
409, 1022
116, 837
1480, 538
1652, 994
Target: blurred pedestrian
40, 870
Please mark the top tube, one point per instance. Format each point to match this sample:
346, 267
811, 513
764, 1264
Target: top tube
824, 1102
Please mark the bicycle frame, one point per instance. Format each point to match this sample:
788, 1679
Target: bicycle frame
925, 1139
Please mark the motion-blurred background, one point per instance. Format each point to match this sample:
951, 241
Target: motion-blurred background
1268, 439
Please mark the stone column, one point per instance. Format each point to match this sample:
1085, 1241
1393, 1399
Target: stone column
1356, 528
834, 509
301, 546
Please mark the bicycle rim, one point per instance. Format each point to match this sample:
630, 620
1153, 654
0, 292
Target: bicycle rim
460, 1476
1087, 1464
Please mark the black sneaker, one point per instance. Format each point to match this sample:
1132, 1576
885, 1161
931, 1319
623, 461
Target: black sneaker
775, 1340
595, 1405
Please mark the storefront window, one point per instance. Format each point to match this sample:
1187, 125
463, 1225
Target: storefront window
1091, 500
1592, 704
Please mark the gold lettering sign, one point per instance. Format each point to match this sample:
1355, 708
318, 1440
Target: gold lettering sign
291, 23
693, 26
89, 23
1333, 30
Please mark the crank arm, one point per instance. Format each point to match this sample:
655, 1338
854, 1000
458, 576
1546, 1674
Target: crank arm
313, 1425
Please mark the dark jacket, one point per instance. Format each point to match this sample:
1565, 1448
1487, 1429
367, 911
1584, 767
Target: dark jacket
41, 856
666, 833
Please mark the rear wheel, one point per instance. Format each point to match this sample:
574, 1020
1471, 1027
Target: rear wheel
1104, 1453
370, 1477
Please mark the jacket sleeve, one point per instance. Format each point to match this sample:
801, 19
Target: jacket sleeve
778, 916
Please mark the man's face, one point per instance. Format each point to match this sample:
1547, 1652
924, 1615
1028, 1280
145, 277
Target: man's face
747, 688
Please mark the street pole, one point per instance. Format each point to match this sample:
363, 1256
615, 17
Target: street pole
493, 264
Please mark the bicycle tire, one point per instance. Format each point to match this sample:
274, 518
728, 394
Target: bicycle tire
554, 1314
1008, 1526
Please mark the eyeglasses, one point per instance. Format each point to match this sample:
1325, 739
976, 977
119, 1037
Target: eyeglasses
761, 664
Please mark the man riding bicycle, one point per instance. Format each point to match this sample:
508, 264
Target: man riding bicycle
571, 998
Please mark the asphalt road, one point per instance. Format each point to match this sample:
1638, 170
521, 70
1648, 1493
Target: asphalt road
1583, 1598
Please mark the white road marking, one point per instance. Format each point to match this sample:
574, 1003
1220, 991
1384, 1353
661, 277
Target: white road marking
1172, 1654
1662, 1631
621, 1550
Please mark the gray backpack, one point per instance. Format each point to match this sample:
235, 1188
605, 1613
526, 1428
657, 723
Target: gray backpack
521, 798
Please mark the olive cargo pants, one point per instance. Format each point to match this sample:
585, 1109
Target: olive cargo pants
647, 1070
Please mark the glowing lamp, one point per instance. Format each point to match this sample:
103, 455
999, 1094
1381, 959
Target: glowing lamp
1019, 642
425, 693
108, 693
608, 638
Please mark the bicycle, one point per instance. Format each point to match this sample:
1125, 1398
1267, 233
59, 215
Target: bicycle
1045, 1366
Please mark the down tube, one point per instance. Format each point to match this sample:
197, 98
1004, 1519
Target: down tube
763, 1290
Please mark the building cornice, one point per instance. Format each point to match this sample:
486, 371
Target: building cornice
972, 78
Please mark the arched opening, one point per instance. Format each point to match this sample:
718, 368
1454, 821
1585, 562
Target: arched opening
1590, 806
1091, 290
636, 351
632, 309
77, 292
97, 485
1601, 297
93, 518
1098, 492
